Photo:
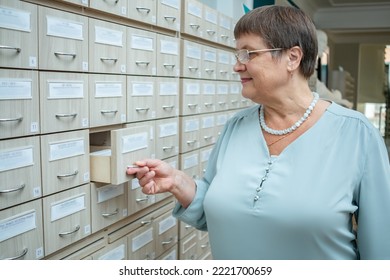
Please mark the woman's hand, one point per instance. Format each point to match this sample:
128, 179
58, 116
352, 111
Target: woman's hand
156, 176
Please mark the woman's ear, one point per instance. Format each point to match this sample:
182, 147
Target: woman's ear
294, 58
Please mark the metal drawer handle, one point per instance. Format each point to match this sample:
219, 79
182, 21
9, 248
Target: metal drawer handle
115, 1
234, 101
192, 105
167, 242
222, 103
171, 66
141, 109
207, 137
192, 69
60, 176
21, 187
61, 234
105, 215
187, 226
210, 32
142, 199
168, 108
140, 9
204, 246
24, 252
144, 63
108, 111
12, 120
168, 148
224, 36
209, 71
170, 18
10, 48
73, 55
208, 104
66, 115
223, 72
108, 59
194, 26
192, 142
144, 223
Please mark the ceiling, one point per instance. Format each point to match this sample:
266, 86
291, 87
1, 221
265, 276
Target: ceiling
351, 21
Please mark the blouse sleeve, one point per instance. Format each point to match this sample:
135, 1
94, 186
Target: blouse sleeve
373, 231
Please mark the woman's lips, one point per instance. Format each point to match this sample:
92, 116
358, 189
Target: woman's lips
245, 80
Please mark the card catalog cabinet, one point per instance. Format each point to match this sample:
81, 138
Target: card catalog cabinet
21, 235
207, 130
20, 171
107, 47
188, 249
63, 38
209, 67
65, 160
64, 101
67, 217
18, 34
141, 243
19, 102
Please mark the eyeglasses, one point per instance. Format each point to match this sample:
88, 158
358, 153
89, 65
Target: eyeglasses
243, 56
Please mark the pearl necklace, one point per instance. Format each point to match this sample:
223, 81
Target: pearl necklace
295, 125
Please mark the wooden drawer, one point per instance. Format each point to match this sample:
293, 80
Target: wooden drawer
204, 155
141, 54
190, 133
117, 7
168, 93
67, 217
108, 204
189, 164
143, 10
107, 99
63, 38
193, 18
191, 64
203, 243
107, 47
224, 67
19, 102
210, 16
168, 56
64, 101
20, 171
141, 98
21, 234
185, 229
188, 247
112, 151
166, 233
18, 34
207, 130
168, 14
84, 3
190, 102
171, 254
222, 97
225, 33
235, 95
137, 200
114, 251
65, 160
167, 138
141, 243
209, 67
208, 96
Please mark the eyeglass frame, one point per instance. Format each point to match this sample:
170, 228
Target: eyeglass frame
248, 52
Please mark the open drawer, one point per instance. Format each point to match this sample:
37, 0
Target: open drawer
112, 151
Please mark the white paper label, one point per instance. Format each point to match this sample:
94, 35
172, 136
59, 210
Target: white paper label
64, 28
225, 22
17, 225
13, 159
109, 192
108, 36
169, 89
195, 10
191, 161
191, 125
221, 119
208, 122
15, 89
224, 57
223, 89
65, 90
205, 155
235, 88
142, 89
67, 149
209, 89
192, 88
193, 52
210, 56
142, 43
168, 129
67, 207
15, 19
171, 3
166, 224
211, 16
108, 89
141, 240
135, 184
169, 47
117, 253
134, 142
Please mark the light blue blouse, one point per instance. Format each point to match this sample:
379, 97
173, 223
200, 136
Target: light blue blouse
297, 205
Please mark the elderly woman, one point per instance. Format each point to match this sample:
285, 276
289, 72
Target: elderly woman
287, 176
